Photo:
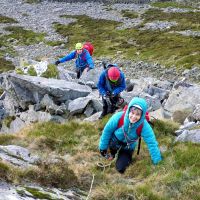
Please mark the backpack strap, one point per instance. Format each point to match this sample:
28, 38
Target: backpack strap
83, 56
139, 144
121, 120
139, 131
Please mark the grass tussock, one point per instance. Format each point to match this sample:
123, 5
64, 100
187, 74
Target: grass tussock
19, 71
4, 171
49, 174
166, 127
180, 115
64, 137
32, 1
37, 193
54, 43
160, 46
52, 174
1, 91
32, 72
7, 120
129, 14
6, 65
4, 19
6, 139
51, 72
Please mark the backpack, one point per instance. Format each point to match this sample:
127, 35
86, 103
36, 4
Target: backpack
138, 130
89, 47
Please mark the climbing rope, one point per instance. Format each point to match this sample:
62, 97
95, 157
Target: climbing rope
103, 165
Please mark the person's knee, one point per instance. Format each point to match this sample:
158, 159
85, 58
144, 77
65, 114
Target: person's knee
121, 166
120, 169
123, 161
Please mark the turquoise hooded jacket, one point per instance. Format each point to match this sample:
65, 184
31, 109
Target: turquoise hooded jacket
147, 133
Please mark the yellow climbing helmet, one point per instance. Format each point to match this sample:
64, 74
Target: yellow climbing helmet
78, 46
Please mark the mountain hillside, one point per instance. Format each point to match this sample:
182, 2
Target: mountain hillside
49, 126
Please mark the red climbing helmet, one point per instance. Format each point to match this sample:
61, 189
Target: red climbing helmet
113, 74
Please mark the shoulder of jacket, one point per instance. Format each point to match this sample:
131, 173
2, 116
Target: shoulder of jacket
121, 74
147, 128
118, 115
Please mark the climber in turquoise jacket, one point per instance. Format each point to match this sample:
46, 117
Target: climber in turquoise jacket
113, 137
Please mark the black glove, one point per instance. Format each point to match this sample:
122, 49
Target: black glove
108, 93
103, 153
57, 62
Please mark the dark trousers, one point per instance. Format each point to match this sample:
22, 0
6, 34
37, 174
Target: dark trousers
109, 104
123, 160
79, 72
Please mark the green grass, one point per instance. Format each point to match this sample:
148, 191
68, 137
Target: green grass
24, 37
32, 1
54, 43
47, 174
32, 72
19, 71
59, 137
38, 194
7, 121
1, 91
6, 65
18, 36
129, 14
169, 4
51, 174
169, 49
98, 32
176, 177
188, 20
6, 139
4, 19
51, 72
4, 171
168, 127
153, 46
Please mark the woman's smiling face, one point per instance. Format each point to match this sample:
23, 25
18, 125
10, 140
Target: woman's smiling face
134, 114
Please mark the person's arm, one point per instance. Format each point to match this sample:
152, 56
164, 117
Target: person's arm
121, 87
152, 144
101, 84
89, 61
68, 57
108, 131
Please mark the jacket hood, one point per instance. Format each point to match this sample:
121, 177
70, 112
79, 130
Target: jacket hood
139, 102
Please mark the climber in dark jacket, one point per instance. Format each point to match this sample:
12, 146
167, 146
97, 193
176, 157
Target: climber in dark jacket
124, 139
83, 59
111, 83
